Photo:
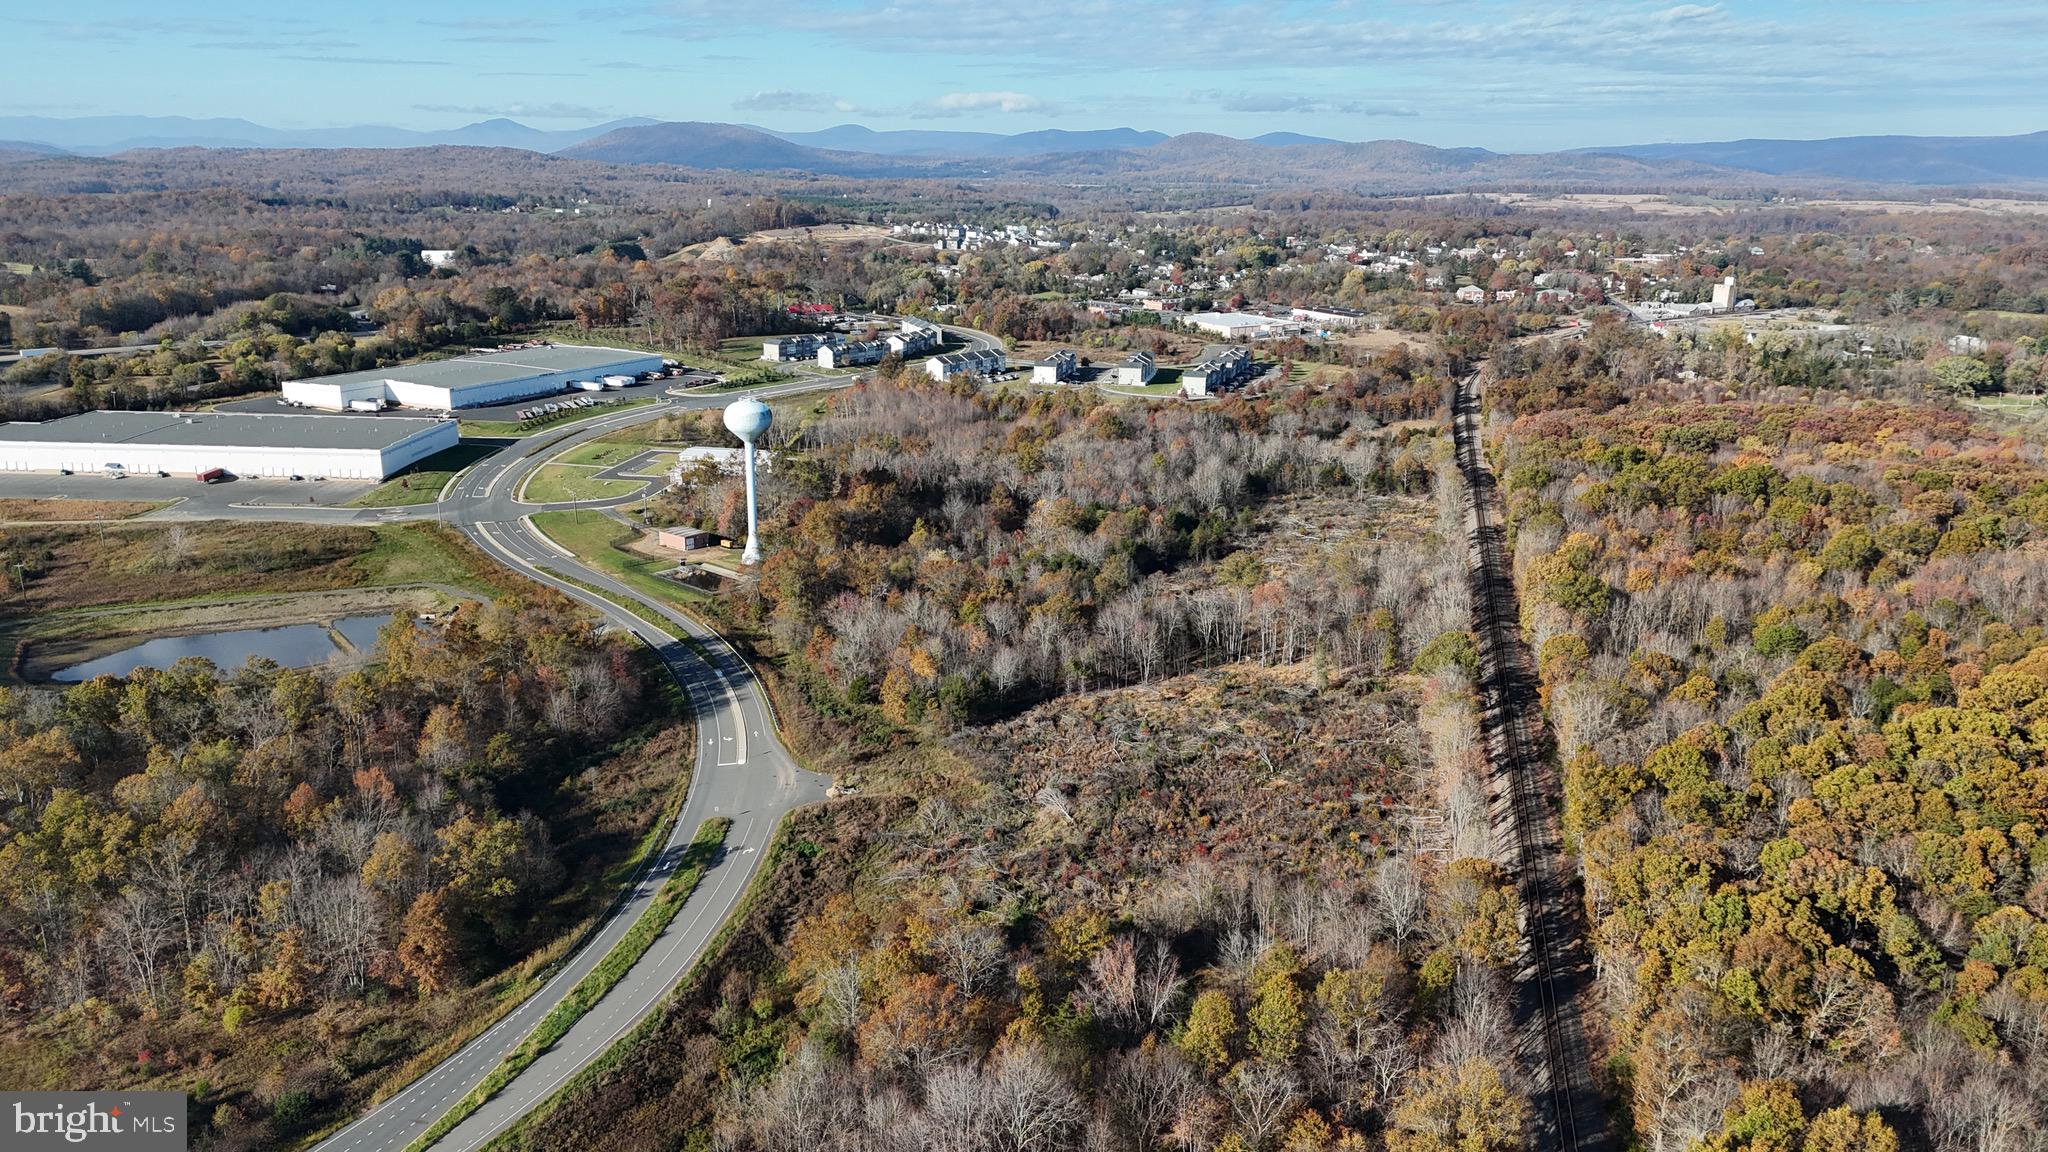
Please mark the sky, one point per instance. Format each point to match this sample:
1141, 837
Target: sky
1511, 76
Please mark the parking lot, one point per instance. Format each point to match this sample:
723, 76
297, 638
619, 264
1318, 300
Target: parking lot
506, 412
182, 488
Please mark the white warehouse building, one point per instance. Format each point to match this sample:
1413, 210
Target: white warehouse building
243, 443
471, 381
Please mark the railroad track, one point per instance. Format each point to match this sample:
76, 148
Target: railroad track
1555, 972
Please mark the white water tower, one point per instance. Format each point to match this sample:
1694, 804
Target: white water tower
748, 419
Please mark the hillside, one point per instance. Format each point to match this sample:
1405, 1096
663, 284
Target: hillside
104, 135
856, 138
1377, 165
697, 144
1882, 159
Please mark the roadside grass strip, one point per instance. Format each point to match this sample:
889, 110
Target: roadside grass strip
623, 1048
675, 891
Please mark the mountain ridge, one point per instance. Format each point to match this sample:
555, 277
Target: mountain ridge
1288, 157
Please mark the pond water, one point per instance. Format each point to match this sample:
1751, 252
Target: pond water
292, 645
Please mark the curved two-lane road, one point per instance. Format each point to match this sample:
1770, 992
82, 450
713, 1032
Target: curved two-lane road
742, 772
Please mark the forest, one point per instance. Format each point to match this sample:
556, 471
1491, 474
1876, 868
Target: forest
1792, 649
264, 886
1187, 836
956, 554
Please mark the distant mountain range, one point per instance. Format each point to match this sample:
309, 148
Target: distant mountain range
1281, 157
106, 135
854, 138
1884, 159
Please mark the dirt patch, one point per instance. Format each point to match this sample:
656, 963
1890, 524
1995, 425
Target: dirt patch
43, 646
57, 509
820, 234
1385, 339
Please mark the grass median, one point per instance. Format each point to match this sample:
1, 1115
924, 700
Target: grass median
675, 892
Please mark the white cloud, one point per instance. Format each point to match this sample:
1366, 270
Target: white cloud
956, 103
785, 100
523, 110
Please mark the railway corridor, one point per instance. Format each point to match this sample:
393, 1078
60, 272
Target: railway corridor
1554, 979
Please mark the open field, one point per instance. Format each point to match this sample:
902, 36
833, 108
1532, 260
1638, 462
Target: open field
1386, 339
2028, 408
556, 483
726, 248
422, 483
1652, 204
1646, 203
60, 567
1975, 205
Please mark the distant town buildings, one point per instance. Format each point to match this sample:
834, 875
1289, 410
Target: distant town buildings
1328, 317
784, 349
1233, 325
972, 238
1220, 368
973, 362
435, 257
1471, 294
1136, 370
1055, 369
853, 354
913, 338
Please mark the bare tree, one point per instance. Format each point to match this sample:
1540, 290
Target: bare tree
135, 928
1150, 1086
1398, 896
970, 954
1263, 1096
1028, 1105
1159, 983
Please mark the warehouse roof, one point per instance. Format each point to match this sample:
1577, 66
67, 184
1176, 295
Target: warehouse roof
494, 367
220, 430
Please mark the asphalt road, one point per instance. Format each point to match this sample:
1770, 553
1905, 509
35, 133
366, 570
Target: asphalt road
12, 357
742, 772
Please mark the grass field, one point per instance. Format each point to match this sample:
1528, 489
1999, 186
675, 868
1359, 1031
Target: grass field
597, 540
1165, 382
2024, 406
516, 428
608, 452
557, 483
44, 511
421, 483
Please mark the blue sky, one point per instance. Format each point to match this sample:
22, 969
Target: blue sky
1508, 76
